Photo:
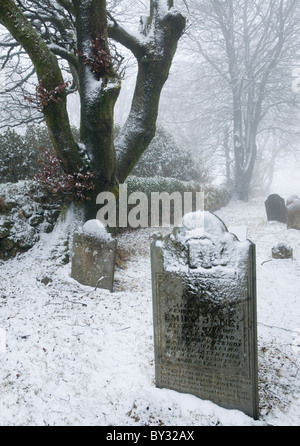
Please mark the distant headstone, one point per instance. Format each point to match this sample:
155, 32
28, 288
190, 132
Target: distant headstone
282, 251
293, 215
204, 307
93, 258
275, 208
291, 199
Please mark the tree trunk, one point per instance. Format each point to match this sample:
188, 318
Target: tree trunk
99, 89
227, 158
49, 74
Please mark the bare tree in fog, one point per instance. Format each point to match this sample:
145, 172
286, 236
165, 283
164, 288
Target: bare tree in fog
246, 53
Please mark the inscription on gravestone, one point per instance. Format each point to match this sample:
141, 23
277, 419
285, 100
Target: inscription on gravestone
204, 306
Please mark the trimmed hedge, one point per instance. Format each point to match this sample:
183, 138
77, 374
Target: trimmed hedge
214, 197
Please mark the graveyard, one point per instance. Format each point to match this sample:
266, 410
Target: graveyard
175, 124
81, 355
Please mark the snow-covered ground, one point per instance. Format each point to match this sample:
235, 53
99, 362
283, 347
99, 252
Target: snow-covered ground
76, 356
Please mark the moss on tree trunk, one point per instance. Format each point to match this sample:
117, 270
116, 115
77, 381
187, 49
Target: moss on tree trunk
49, 73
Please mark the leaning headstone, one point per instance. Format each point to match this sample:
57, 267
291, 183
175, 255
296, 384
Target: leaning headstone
282, 251
204, 308
275, 208
293, 215
93, 257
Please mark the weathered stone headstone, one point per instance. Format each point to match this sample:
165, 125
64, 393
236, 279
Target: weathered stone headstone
204, 308
282, 251
275, 208
93, 257
293, 215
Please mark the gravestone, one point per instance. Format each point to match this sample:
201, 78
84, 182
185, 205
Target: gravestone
275, 208
282, 251
293, 215
204, 308
93, 257
290, 200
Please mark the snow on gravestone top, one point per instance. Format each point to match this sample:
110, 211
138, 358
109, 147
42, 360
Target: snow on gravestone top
204, 312
282, 251
208, 243
96, 229
290, 200
294, 205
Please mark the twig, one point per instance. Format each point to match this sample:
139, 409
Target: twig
74, 302
266, 261
278, 328
98, 281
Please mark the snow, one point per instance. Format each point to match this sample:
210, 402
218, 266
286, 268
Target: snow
96, 229
221, 252
295, 205
239, 231
93, 87
79, 356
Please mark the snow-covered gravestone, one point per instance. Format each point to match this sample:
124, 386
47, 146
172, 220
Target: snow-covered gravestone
93, 257
293, 214
282, 251
204, 308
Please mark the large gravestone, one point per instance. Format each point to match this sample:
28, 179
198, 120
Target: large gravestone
204, 308
275, 208
93, 257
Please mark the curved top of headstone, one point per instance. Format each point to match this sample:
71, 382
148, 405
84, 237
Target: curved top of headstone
274, 197
201, 224
95, 228
202, 241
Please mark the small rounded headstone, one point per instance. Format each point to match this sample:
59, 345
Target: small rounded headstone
96, 229
282, 251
